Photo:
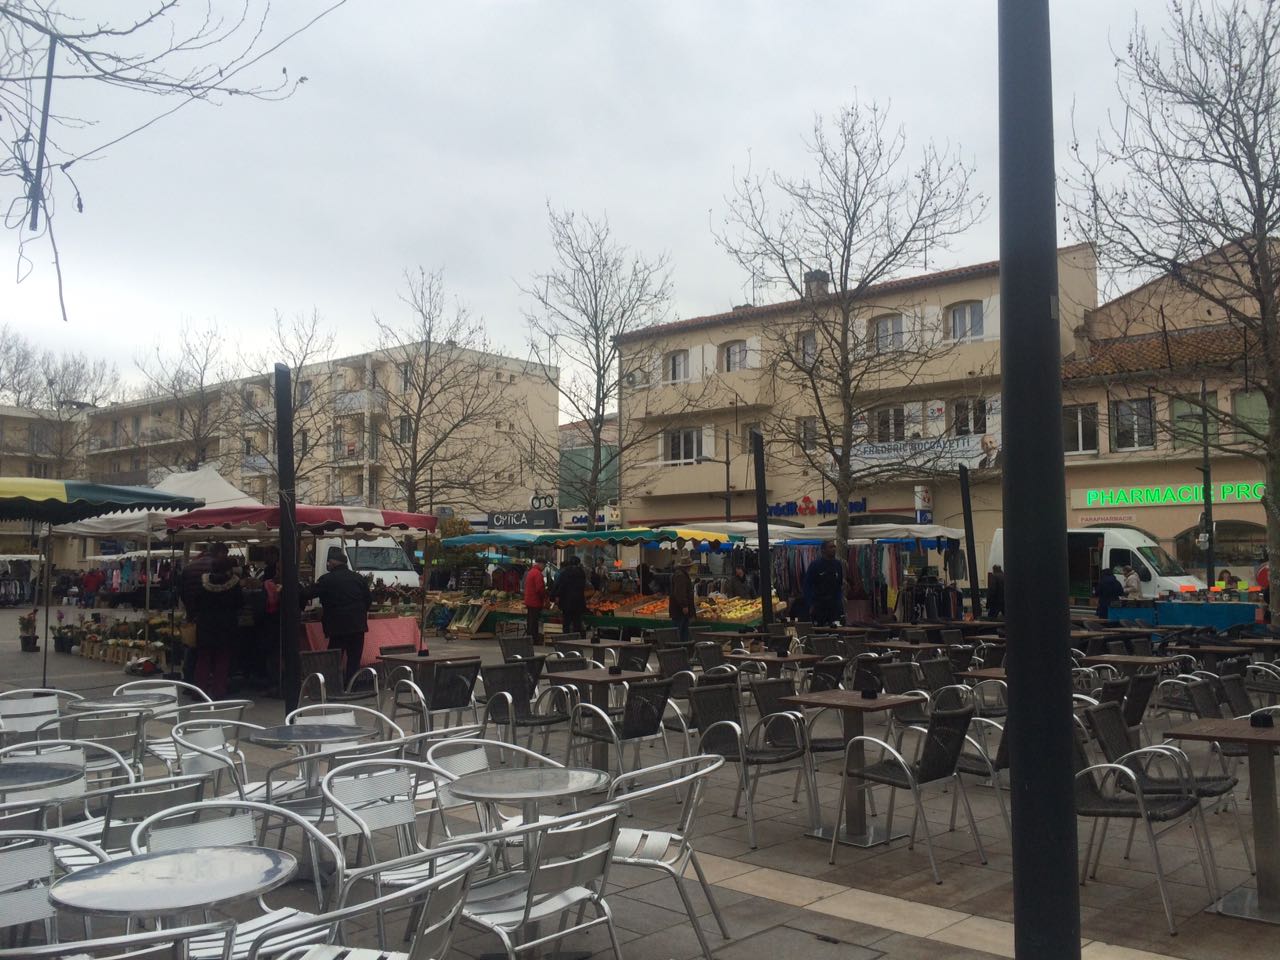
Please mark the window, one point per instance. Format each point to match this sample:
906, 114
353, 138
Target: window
807, 347
747, 430
808, 433
1132, 424
969, 417
39, 470
1080, 428
137, 425
891, 424
304, 443
886, 333
405, 371
684, 445
677, 366
965, 321
304, 391
135, 464
1186, 426
1249, 408
404, 428
248, 446
733, 356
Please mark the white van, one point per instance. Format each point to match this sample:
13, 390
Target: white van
1089, 549
381, 558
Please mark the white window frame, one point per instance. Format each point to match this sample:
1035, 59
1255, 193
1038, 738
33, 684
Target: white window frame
1078, 409
807, 347
968, 306
1135, 422
734, 356
889, 341
690, 442
669, 364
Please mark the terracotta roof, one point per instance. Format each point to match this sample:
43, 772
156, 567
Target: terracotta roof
987, 269
1215, 345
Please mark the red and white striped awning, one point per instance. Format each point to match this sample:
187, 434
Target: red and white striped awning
311, 519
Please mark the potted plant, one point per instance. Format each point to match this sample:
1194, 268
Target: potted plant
27, 632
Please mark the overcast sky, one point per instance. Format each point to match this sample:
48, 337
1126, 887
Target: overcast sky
434, 134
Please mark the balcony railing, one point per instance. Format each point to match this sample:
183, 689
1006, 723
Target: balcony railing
349, 500
359, 401
254, 463
348, 451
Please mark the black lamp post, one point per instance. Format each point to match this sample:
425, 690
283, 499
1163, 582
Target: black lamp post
728, 486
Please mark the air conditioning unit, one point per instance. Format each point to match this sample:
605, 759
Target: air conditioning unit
637, 377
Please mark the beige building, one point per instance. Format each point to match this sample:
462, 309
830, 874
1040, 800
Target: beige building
29, 447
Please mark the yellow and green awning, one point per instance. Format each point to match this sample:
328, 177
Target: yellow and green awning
66, 501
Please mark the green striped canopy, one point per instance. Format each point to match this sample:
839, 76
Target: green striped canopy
66, 501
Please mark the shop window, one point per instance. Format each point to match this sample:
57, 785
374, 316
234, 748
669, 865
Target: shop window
886, 333
969, 417
1185, 421
733, 356
1080, 428
964, 321
1249, 409
684, 445
1132, 424
807, 347
676, 366
891, 424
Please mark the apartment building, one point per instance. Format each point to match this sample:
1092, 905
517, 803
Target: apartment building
354, 439
30, 446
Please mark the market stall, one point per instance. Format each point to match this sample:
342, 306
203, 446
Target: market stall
394, 626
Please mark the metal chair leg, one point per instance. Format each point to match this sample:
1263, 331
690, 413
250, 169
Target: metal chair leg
706, 890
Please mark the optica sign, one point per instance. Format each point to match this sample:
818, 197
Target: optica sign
1167, 495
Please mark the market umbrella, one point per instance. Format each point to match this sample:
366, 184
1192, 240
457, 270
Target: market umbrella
66, 501
252, 521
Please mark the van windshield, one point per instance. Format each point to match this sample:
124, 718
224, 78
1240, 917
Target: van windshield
377, 558
1163, 564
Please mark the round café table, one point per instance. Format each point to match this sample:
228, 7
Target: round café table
310, 738
172, 883
527, 786
17, 775
122, 701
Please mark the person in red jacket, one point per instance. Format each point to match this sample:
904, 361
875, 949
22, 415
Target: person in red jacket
535, 599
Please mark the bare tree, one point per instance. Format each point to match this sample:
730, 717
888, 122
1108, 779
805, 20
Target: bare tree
69, 385
864, 214
443, 401
596, 292
19, 369
1183, 190
194, 403
305, 344
180, 51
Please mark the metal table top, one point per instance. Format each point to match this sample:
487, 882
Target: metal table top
290, 734
526, 784
29, 775
174, 881
122, 701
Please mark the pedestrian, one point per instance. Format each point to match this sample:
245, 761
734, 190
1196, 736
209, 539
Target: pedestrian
1108, 591
738, 588
192, 592
824, 586
344, 600
573, 595
1132, 584
680, 603
535, 599
995, 592
217, 625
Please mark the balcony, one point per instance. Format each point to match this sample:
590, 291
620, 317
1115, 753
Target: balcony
352, 402
349, 500
121, 478
255, 464
348, 452
689, 479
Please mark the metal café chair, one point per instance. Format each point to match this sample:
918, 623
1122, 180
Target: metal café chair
218, 938
28, 869
322, 672
643, 711
511, 702
22, 712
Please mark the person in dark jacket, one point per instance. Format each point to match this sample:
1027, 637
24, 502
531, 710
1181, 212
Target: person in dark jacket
345, 600
680, 601
190, 589
824, 586
217, 625
1108, 591
738, 588
573, 595
995, 592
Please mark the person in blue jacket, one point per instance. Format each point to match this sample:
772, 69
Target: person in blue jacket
824, 586
1108, 590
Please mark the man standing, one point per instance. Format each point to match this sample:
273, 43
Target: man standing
824, 586
345, 601
535, 599
573, 595
737, 588
680, 600
191, 587
995, 592
1108, 591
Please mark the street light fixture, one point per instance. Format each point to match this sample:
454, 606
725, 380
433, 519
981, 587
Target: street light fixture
1203, 419
728, 487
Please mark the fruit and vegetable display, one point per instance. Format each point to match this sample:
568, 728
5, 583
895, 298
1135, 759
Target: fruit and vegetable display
731, 611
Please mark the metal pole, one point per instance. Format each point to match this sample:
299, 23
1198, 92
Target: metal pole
971, 550
290, 610
728, 489
1046, 902
762, 529
48, 590
1208, 485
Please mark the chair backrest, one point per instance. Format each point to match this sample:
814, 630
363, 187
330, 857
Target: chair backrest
899, 676
27, 870
1204, 700
827, 674
803, 628
1117, 648
951, 636
105, 764
673, 660
661, 637
944, 739
206, 748
458, 756
533, 666
643, 708
517, 646
992, 654
827, 645
571, 852
20, 717
711, 704
635, 657
121, 730
169, 688
1142, 646
327, 663
960, 655
689, 773
564, 662
915, 635
512, 679
372, 796
1237, 694
768, 695
1114, 690
453, 684
937, 673
1141, 686
1106, 720
128, 805
709, 653
981, 732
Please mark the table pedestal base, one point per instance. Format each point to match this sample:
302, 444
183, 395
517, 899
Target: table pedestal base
873, 837
1243, 903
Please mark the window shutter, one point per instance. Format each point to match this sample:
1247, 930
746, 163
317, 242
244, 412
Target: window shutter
753, 352
991, 317
708, 441
662, 447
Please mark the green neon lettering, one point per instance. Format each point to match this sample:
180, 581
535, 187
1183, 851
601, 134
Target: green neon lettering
1185, 494
1091, 497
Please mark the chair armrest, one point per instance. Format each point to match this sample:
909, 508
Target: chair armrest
730, 727
885, 748
318, 679
580, 710
794, 717
504, 697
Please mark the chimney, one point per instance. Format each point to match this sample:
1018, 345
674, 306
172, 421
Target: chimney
1084, 336
815, 284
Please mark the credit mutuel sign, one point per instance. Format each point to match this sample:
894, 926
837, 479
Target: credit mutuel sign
1186, 494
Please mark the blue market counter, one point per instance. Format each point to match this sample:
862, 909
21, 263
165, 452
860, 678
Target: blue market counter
1175, 613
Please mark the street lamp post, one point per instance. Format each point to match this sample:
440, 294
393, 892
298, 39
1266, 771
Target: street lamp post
1207, 476
728, 486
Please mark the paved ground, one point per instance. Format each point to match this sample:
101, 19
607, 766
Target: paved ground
784, 898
